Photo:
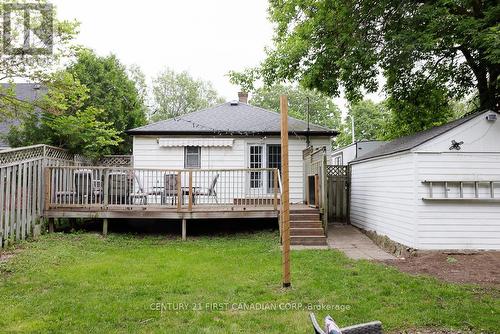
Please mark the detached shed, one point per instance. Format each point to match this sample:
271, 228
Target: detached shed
437, 189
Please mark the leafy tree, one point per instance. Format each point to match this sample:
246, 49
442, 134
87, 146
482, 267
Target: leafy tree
111, 90
323, 110
245, 79
370, 122
175, 94
34, 68
95, 138
61, 119
136, 74
445, 48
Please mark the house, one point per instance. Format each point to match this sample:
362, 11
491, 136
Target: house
27, 92
437, 189
232, 135
344, 155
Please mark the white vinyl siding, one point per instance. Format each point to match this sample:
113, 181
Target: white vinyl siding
387, 191
464, 225
149, 154
383, 197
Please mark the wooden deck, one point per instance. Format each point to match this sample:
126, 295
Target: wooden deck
198, 212
118, 192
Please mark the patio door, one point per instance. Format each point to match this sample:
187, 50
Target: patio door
263, 156
256, 160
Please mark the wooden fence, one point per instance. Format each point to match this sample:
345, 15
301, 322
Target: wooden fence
315, 180
339, 178
21, 187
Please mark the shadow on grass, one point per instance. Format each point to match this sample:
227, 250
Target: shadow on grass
171, 227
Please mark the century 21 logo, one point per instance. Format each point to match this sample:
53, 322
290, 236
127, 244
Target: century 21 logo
33, 20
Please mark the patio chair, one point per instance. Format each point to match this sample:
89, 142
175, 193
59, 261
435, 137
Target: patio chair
140, 196
210, 191
374, 327
170, 188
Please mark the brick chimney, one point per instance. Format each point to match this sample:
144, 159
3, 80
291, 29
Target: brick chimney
243, 97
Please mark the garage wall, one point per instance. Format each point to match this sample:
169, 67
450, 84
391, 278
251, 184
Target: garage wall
383, 197
458, 224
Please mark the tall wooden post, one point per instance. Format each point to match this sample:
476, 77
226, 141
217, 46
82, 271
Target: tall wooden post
285, 198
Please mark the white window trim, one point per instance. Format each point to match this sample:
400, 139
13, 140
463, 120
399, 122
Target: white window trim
186, 154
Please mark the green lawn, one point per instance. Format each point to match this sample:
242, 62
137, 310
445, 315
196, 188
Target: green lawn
82, 283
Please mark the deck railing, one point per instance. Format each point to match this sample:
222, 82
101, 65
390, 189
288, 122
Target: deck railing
108, 188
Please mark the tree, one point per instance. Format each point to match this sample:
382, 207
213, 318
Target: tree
175, 94
323, 110
112, 91
61, 119
136, 74
449, 45
15, 64
370, 122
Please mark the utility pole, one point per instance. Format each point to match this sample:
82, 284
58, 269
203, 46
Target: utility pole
308, 142
285, 195
352, 128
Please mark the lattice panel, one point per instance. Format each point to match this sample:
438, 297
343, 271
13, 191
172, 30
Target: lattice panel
334, 170
58, 153
21, 154
117, 160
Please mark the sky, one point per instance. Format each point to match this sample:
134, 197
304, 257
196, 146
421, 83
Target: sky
207, 38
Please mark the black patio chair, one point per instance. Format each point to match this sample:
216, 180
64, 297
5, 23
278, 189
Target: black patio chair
374, 327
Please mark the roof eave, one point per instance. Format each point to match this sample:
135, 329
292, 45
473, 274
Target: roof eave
231, 133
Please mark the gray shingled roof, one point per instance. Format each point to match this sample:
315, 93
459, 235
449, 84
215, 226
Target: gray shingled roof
409, 142
25, 92
227, 118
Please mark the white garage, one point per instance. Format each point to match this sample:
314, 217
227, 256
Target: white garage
437, 189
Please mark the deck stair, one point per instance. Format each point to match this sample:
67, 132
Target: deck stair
306, 228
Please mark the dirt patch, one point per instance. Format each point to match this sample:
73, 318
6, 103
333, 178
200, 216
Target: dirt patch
4, 257
480, 267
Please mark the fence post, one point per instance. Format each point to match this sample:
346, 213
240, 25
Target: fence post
275, 186
179, 191
46, 173
105, 191
190, 205
324, 190
2, 201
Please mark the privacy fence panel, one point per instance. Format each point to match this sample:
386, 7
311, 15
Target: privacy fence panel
339, 178
21, 187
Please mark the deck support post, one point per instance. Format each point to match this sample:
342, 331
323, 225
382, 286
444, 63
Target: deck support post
105, 227
184, 229
51, 225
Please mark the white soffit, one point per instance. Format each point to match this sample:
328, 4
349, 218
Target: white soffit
207, 142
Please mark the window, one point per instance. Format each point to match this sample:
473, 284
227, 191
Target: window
337, 160
192, 157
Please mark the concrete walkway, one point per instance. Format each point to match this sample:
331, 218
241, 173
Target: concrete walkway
354, 243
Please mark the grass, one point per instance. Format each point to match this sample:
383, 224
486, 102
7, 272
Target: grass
82, 283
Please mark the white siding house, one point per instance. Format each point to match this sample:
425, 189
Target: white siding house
346, 154
389, 195
233, 135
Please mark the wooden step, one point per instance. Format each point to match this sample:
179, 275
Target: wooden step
308, 240
305, 223
307, 231
304, 216
304, 211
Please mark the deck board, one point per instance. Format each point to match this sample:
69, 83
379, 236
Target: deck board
151, 212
